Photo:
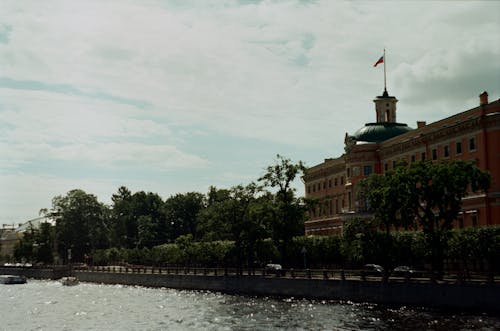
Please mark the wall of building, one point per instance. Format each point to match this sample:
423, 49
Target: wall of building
476, 131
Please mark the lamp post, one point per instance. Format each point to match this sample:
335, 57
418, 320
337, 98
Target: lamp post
304, 252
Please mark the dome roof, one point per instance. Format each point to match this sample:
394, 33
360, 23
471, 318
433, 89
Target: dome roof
378, 132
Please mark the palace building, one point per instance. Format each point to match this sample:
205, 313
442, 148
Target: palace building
377, 147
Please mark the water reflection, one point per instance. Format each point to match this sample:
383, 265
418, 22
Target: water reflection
46, 305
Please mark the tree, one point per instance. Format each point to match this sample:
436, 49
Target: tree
25, 247
436, 198
213, 221
81, 224
236, 217
387, 196
45, 242
289, 212
138, 219
124, 226
426, 194
181, 211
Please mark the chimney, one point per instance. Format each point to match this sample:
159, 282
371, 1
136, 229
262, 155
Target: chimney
421, 124
483, 98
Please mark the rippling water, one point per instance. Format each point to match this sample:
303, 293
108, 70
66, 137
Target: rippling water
47, 305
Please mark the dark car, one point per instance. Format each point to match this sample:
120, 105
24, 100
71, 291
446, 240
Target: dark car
373, 270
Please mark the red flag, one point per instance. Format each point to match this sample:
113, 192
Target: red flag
381, 60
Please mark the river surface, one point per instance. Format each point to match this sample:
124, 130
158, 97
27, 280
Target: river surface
47, 305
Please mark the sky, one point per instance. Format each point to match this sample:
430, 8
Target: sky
176, 96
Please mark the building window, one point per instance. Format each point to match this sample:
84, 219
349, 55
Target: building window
461, 221
314, 187
337, 206
342, 180
355, 171
458, 147
473, 217
367, 170
413, 158
393, 164
446, 151
422, 156
434, 154
386, 166
330, 183
348, 172
472, 144
324, 185
335, 182
309, 189
349, 200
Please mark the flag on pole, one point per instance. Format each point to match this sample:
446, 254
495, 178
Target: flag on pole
381, 60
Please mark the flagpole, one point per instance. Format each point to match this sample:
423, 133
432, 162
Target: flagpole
385, 75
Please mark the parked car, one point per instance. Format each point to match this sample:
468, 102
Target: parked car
404, 270
373, 270
274, 269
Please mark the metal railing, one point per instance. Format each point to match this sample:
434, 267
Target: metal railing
451, 277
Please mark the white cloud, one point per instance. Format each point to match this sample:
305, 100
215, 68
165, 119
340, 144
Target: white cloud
117, 81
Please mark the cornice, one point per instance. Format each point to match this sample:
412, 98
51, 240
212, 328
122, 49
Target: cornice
418, 139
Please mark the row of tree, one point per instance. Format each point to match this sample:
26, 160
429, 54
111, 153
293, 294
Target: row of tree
258, 222
471, 249
243, 215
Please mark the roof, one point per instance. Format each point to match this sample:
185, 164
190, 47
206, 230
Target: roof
378, 132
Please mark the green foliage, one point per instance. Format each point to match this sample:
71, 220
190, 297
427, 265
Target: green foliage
430, 193
81, 224
473, 246
288, 212
36, 245
251, 226
181, 212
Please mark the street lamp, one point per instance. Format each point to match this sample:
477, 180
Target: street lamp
304, 252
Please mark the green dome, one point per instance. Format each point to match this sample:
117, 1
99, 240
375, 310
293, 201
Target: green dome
378, 132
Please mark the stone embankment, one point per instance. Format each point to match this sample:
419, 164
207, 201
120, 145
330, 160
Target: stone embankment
478, 296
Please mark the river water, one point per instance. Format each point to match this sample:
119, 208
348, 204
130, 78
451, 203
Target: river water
47, 305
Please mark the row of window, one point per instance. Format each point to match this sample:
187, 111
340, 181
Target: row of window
458, 149
318, 186
435, 155
328, 208
367, 171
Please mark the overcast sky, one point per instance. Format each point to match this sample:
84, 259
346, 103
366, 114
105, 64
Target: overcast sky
175, 96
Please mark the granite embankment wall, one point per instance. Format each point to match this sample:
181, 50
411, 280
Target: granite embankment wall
37, 273
470, 297
462, 297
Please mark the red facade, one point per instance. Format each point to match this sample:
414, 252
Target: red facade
471, 135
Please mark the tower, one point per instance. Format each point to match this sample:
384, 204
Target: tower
385, 107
